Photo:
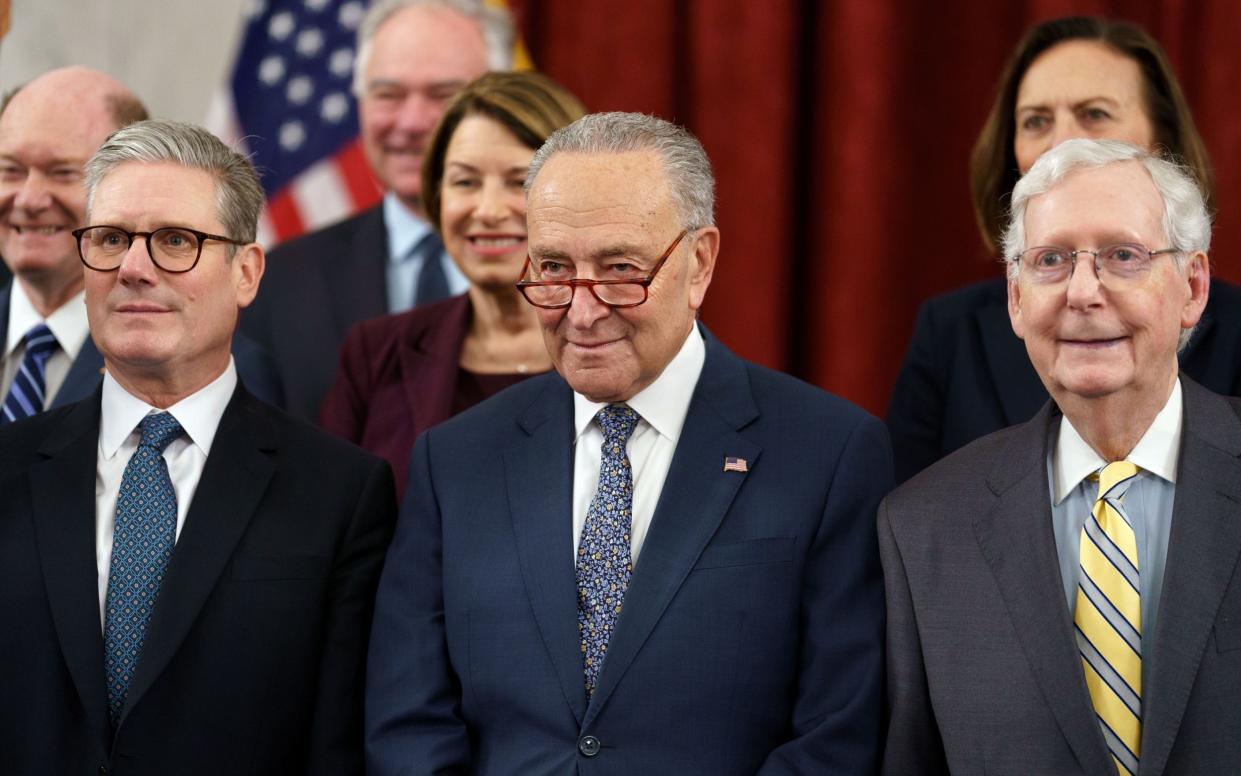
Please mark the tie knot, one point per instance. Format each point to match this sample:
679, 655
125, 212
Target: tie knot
158, 431
1114, 475
39, 342
617, 421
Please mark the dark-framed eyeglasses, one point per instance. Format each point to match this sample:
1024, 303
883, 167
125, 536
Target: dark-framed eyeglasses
1115, 265
171, 248
614, 292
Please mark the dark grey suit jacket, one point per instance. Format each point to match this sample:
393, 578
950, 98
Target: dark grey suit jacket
984, 675
314, 289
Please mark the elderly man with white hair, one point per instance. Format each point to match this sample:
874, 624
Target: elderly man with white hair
1061, 594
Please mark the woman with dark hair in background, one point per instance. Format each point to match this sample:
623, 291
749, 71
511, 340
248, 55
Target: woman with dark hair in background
966, 374
401, 374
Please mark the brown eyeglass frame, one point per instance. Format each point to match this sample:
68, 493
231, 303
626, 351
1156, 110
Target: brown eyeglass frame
589, 284
146, 238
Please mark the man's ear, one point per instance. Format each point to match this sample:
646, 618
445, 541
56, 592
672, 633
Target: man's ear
248, 265
702, 267
1014, 308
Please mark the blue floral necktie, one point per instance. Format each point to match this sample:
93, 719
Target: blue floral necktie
604, 560
146, 527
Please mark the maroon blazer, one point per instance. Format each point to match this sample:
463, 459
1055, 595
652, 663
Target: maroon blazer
397, 378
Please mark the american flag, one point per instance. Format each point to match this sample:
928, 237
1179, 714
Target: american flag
288, 104
733, 464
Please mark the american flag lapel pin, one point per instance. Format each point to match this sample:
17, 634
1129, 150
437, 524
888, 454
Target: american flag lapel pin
735, 464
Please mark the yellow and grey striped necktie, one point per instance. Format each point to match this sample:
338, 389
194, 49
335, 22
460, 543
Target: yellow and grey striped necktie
1108, 617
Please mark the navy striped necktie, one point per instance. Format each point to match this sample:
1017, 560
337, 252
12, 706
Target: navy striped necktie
432, 282
27, 394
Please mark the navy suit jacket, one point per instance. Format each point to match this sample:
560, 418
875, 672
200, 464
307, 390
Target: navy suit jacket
984, 672
253, 660
315, 287
751, 634
254, 367
966, 374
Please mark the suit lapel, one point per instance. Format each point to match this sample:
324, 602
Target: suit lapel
696, 495
429, 364
85, 374
1202, 554
538, 469
1018, 389
232, 485
355, 274
63, 499
1017, 542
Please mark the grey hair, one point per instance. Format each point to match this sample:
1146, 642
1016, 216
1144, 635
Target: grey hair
239, 197
495, 24
685, 162
1186, 220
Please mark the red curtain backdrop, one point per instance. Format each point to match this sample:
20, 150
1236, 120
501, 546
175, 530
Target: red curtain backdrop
840, 132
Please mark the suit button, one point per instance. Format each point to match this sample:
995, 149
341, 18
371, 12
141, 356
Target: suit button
103, 770
589, 746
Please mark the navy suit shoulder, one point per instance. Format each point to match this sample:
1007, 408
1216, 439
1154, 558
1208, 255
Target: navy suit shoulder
314, 288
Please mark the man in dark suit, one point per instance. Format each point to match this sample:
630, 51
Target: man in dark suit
413, 56
186, 573
48, 129
656, 559
1061, 596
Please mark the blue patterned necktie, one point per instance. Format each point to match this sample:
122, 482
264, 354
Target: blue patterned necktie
146, 527
604, 560
27, 393
432, 282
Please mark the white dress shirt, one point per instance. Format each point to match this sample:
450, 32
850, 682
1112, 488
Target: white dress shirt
661, 408
199, 415
405, 230
1148, 503
68, 324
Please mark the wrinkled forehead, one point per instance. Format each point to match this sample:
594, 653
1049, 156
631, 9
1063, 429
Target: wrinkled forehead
1117, 202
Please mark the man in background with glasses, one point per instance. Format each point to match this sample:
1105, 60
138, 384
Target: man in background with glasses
186, 574
660, 558
1062, 595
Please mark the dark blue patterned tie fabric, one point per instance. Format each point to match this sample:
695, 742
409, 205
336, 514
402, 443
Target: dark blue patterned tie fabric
604, 560
432, 282
146, 527
26, 394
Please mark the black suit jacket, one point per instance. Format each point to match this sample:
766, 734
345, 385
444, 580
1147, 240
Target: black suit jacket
966, 374
984, 674
316, 287
254, 367
253, 663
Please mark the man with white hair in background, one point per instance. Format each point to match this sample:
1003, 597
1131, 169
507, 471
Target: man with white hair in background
1062, 595
413, 56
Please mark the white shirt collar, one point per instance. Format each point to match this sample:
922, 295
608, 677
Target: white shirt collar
405, 229
199, 413
1157, 451
68, 322
664, 403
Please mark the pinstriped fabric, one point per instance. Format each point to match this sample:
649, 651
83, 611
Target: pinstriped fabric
1108, 617
604, 557
27, 393
146, 527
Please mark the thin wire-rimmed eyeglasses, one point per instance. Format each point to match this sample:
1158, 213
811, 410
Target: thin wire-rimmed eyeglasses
626, 292
171, 248
1121, 263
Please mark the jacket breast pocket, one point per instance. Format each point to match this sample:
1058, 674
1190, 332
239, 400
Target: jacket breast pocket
775, 549
276, 567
